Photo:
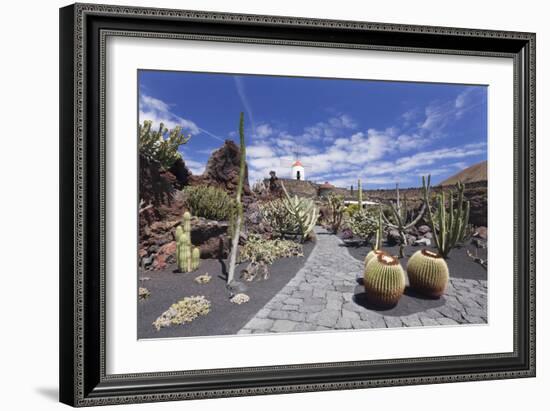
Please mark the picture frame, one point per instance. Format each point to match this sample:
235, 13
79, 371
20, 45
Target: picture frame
84, 29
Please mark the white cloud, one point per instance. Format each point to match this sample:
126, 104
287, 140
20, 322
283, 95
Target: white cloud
259, 151
263, 131
196, 167
336, 150
158, 111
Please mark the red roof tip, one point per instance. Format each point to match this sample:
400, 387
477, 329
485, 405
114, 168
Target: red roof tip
297, 163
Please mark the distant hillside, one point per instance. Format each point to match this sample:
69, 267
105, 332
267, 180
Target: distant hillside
477, 172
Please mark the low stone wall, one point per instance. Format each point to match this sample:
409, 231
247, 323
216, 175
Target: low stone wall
475, 192
299, 187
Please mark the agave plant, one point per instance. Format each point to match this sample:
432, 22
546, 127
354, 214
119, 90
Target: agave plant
303, 210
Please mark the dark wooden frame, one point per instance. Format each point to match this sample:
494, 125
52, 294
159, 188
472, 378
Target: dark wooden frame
83, 30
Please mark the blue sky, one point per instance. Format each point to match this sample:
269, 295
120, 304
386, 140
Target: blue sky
341, 130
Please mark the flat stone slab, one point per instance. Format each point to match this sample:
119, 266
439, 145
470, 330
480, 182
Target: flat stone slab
327, 294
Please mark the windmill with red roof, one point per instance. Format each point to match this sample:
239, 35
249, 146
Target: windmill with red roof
298, 171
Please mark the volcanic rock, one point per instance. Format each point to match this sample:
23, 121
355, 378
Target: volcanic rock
222, 170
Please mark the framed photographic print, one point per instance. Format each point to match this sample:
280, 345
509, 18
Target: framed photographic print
261, 204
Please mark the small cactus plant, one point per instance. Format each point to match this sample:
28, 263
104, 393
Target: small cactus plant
428, 273
187, 256
384, 280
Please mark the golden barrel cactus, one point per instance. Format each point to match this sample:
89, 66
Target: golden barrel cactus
384, 280
371, 255
428, 273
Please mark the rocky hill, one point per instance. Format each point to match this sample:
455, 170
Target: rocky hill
472, 174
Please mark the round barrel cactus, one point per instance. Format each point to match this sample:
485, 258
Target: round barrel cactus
428, 273
384, 280
372, 254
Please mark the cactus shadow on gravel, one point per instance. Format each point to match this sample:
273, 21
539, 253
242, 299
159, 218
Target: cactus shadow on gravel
410, 302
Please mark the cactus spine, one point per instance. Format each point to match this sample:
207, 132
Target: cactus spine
239, 206
384, 280
372, 254
449, 227
187, 256
428, 273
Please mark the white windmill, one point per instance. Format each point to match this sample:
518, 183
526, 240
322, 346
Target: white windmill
298, 171
297, 167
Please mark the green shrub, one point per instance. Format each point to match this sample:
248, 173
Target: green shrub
275, 214
364, 224
260, 253
160, 147
290, 216
258, 248
336, 209
352, 209
209, 202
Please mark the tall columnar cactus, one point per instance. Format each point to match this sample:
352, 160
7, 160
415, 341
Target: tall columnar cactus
384, 280
379, 231
303, 210
377, 248
449, 226
428, 273
236, 230
359, 195
336, 207
403, 220
187, 256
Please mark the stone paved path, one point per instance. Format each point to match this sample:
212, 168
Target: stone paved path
320, 297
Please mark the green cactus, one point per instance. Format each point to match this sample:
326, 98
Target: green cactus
372, 254
428, 273
336, 207
155, 144
209, 202
196, 258
187, 256
384, 280
379, 231
303, 210
449, 226
275, 215
359, 195
236, 224
403, 220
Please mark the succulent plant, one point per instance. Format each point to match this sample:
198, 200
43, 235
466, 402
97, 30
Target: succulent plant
371, 254
161, 145
195, 258
384, 280
237, 217
363, 224
403, 218
187, 256
209, 202
275, 214
428, 273
449, 226
303, 210
336, 211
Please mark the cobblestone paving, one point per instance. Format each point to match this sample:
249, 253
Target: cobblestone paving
320, 297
